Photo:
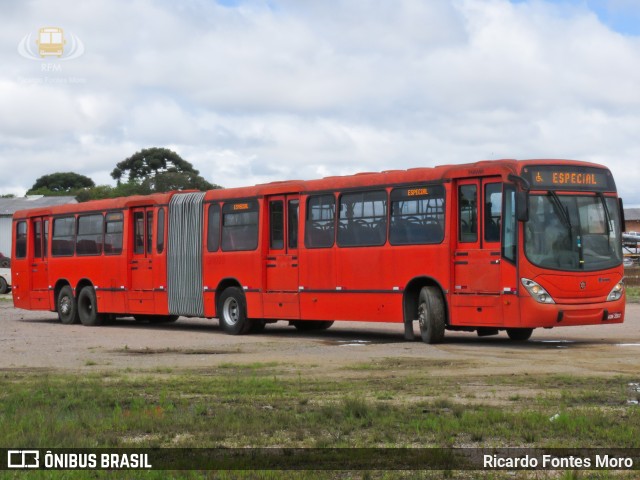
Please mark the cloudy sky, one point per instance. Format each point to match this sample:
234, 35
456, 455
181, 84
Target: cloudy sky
252, 91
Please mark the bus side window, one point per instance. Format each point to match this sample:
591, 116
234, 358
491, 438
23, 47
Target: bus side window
492, 211
63, 238
417, 218
213, 229
37, 239
509, 225
240, 226
276, 225
149, 232
45, 244
113, 229
320, 222
292, 215
363, 219
160, 231
468, 213
89, 239
138, 234
21, 240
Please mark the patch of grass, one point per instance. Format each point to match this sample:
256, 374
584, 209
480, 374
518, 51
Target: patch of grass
271, 405
633, 294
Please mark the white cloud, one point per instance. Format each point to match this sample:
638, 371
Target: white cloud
300, 89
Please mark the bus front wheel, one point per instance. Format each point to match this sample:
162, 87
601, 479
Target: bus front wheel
519, 334
67, 307
431, 315
232, 312
88, 308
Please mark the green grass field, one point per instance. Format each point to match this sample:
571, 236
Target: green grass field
271, 405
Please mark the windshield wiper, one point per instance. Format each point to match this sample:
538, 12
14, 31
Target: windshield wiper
560, 210
566, 220
607, 214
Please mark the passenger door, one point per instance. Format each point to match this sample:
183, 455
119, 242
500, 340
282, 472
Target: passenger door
281, 262
477, 257
39, 291
141, 298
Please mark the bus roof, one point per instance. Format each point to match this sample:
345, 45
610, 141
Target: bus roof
436, 174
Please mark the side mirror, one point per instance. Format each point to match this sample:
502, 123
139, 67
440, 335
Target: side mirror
623, 221
522, 206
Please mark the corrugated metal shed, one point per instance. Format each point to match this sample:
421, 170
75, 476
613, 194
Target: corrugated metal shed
10, 205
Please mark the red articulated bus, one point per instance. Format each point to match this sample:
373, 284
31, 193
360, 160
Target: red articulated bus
495, 245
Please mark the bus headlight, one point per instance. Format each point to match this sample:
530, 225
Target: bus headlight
616, 293
538, 293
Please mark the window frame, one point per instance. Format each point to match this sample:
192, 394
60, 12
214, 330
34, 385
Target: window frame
385, 217
107, 221
438, 194
252, 210
72, 237
21, 242
79, 235
214, 229
308, 222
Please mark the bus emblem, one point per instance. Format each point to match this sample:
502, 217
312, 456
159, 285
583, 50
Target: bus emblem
583, 285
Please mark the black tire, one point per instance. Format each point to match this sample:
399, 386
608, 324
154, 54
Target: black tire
88, 308
232, 312
163, 318
5, 263
431, 315
258, 325
519, 334
310, 325
4, 288
67, 307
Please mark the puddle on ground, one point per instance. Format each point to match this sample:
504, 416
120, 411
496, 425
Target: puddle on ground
348, 343
555, 343
626, 344
353, 343
634, 393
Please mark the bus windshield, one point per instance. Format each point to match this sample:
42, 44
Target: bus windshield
573, 232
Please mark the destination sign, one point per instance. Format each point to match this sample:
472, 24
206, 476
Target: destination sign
547, 177
417, 192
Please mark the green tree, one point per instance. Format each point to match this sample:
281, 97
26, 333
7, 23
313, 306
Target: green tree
61, 183
159, 170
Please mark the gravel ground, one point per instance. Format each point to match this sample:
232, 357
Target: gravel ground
36, 340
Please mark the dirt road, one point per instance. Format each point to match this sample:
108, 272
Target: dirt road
36, 340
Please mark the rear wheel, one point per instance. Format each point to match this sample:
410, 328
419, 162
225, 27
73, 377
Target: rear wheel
67, 307
232, 312
431, 315
88, 308
4, 288
519, 334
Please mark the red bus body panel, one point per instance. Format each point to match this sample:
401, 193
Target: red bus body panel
370, 283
